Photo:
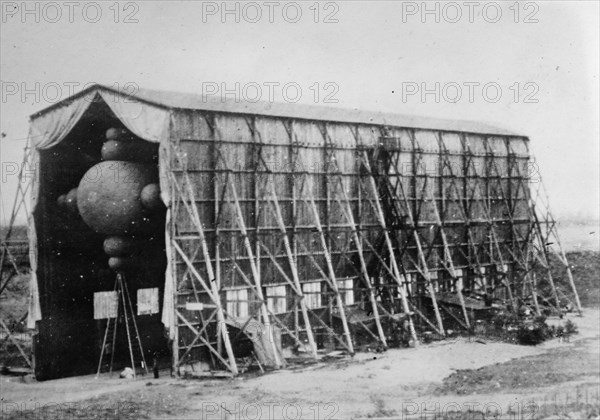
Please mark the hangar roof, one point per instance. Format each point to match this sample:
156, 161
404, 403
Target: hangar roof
193, 101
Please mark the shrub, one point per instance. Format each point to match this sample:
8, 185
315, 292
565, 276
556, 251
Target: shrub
571, 327
532, 334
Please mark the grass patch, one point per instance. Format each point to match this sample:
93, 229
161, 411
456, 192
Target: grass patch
14, 300
585, 266
18, 233
130, 406
13, 307
546, 369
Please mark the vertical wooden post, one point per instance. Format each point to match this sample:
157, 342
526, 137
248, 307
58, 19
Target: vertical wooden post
175, 343
211, 277
542, 243
562, 254
388, 242
215, 297
217, 253
572, 284
461, 297
534, 294
488, 215
427, 276
421, 256
294, 269
363, 266
211, 123
447, 253
563, 257
331, 272
175, 197
255, 275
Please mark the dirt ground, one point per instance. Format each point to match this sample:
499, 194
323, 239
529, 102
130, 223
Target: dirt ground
456, 379
453, 379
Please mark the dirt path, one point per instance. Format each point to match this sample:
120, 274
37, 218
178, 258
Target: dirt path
399, 383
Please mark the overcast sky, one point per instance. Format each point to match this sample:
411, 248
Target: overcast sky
532, 68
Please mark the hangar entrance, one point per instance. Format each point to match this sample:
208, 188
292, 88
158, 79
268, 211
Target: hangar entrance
74, 278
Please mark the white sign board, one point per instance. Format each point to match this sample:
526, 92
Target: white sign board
147, 301
105, 305
198, 306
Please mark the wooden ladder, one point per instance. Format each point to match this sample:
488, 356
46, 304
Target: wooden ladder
125, 313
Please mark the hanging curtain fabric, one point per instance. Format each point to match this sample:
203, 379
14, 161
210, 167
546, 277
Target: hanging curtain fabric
50, 128
168, 311
34, 310
146, 121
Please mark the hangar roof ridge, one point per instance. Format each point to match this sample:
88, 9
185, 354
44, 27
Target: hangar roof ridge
193, 101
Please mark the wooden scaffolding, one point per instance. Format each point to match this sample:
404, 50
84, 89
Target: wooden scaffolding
453, 216
9, 262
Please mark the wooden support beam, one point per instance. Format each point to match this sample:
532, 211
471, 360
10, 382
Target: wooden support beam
417, 239
193, 212
174, 334
20, 200
560, 253
8, 335
216, 299
294, 268
297, 291
424, 318
331, 272
205, 324
534, 295
457, 319
284, 327
447, 253
217, 213
363, 266
487, 213
255, 275
509, 212
390, 248
326, 278
572, 284
429, 281
232, 368
544, 254
273, 316
15, 342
